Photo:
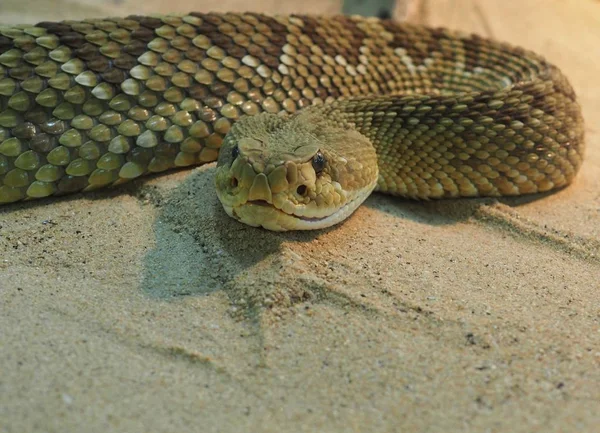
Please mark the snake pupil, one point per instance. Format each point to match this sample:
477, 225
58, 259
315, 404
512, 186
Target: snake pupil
235, 152
319, 162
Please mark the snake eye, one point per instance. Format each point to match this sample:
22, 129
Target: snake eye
235, 151
319, 162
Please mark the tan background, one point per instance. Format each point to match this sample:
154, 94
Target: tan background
16, 11
147, 309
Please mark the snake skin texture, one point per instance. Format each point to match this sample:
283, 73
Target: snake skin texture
98, 102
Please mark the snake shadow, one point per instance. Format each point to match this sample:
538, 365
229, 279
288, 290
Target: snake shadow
444, 211
198, 248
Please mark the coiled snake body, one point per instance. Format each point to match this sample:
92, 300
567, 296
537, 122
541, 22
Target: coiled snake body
329, 109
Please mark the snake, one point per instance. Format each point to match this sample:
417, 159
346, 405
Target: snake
304, 115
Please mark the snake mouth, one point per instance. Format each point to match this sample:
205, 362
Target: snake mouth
260, 213
260, 203
266, 204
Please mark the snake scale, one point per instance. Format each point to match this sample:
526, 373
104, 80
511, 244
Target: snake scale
306, 114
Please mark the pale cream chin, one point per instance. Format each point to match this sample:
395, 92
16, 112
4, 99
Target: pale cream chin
274, 219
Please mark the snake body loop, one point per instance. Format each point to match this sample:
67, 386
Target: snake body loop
348, 105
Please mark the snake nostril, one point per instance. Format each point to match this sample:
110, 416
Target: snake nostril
301, 190
234, 182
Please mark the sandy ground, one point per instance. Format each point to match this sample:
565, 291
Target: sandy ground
147, 309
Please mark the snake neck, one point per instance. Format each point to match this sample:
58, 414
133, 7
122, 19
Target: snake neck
522, 138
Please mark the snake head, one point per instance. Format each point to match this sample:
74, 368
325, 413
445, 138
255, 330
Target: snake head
298, 172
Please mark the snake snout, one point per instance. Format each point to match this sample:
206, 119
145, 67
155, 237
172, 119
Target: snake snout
260, 189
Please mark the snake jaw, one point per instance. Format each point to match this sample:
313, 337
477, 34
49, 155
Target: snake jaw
259, 201
259, 213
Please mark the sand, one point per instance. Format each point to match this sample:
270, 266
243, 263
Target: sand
147, 309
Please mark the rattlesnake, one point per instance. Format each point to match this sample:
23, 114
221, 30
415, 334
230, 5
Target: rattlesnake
329, 109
